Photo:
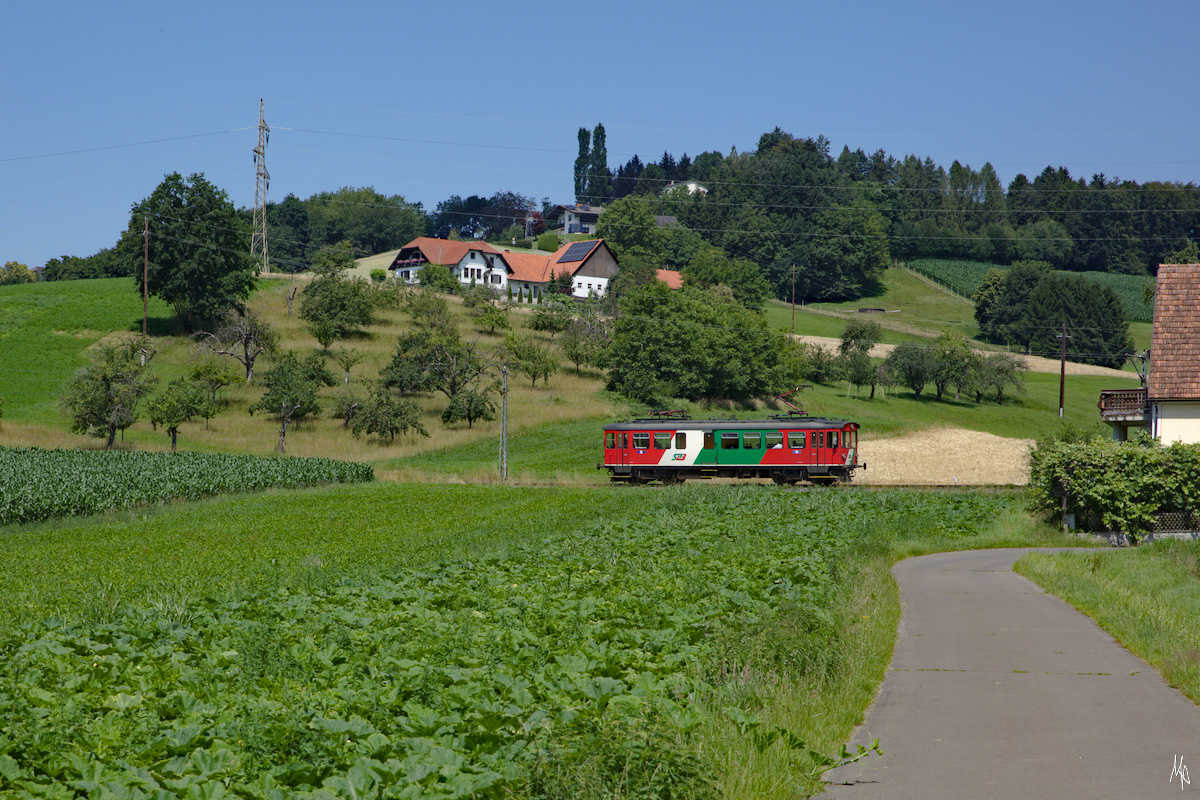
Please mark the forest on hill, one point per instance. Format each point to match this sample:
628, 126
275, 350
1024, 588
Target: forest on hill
814, 223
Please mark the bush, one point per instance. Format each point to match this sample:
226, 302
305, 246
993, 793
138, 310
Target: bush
1116, 486
378, 275
548, 241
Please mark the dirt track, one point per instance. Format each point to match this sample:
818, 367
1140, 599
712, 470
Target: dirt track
1035, 363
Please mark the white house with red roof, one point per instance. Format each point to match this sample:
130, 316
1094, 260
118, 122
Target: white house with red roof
591, 265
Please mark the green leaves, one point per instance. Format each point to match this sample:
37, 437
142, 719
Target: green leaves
45, 484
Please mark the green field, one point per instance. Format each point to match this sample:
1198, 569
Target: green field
462, 640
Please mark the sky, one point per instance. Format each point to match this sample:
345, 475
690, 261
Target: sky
426, 100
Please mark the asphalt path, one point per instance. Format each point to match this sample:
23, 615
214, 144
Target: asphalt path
999, 690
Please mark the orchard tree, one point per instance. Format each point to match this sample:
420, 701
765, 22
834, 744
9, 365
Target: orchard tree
470, 405
525, 355
179, 402
385, 414
103, 398
333, 305
242, 336
198, 249
291, 390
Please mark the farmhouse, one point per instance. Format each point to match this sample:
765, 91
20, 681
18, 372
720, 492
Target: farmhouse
591, 264
579, 218
1168, 405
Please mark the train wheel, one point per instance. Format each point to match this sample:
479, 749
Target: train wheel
781, 480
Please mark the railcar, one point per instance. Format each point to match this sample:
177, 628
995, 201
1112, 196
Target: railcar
671, 447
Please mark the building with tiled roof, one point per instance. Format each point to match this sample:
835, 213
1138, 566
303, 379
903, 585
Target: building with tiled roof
1169, 404
591, 264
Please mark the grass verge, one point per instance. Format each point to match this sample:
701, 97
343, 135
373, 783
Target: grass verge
1147, 597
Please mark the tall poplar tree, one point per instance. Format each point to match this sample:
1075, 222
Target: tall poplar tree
600, 179
582, 164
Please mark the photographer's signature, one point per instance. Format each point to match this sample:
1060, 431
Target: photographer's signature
1178, 770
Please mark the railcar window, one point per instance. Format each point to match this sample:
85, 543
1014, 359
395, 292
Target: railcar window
797, 440
729, 441
850, 439
710, 441
641, 441
752, 441
774, 440
833, 437
818, 438
662, 441
610, 440
624, 440
681, 441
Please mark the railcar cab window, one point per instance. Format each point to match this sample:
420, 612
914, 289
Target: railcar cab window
797, 440
729, 440
610, 440
662, 441
641, 441
752, 441
833, 439
774, 440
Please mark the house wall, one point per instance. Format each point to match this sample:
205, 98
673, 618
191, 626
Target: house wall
1177, 421
484, 270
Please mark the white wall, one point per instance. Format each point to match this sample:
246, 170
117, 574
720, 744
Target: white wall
1177, 421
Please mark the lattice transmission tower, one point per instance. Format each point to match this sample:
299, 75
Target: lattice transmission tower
258, 240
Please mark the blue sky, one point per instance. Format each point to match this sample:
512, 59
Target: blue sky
426, 100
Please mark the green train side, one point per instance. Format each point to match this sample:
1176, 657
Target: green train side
788, 450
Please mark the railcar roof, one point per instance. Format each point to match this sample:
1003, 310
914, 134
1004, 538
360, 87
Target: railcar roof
795, 424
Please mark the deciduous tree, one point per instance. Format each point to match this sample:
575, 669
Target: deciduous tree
103, 398
198, 246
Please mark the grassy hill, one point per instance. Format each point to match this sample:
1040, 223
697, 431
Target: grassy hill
46, 330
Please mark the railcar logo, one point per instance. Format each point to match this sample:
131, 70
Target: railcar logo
678, 457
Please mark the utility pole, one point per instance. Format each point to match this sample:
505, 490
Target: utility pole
793, 298
504, 424
262, 182
1062, 377
145, 268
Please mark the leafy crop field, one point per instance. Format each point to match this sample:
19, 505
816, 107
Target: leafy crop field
44, 484
596, 644
964, 277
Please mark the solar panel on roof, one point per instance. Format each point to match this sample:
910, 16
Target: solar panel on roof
577, 252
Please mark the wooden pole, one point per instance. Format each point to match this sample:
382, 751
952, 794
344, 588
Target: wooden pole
145, 269
1062, 377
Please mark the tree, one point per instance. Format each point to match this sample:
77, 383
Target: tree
437, 276
347, 358
709, 267
243, 336
527, 356
212, 376
103, 398
582, 164
198, 247
552, 317
15, 272
627, 226
913, 365
470, 405
334, 304
491, 317
854, 352
997, 372
180, 401
386, 415
693, 344
953, 363
599, 185
369, 221
291, 393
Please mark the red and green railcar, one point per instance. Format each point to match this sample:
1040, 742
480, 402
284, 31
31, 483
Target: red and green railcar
672, 448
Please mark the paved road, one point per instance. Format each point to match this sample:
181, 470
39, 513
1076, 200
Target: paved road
999, 690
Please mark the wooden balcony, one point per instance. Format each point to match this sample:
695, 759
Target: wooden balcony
1128, 406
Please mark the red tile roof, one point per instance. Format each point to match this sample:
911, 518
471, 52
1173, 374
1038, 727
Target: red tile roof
442, 251
1175, 344
671, 278
529, 267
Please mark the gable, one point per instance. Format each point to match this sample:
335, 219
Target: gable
1175, 343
